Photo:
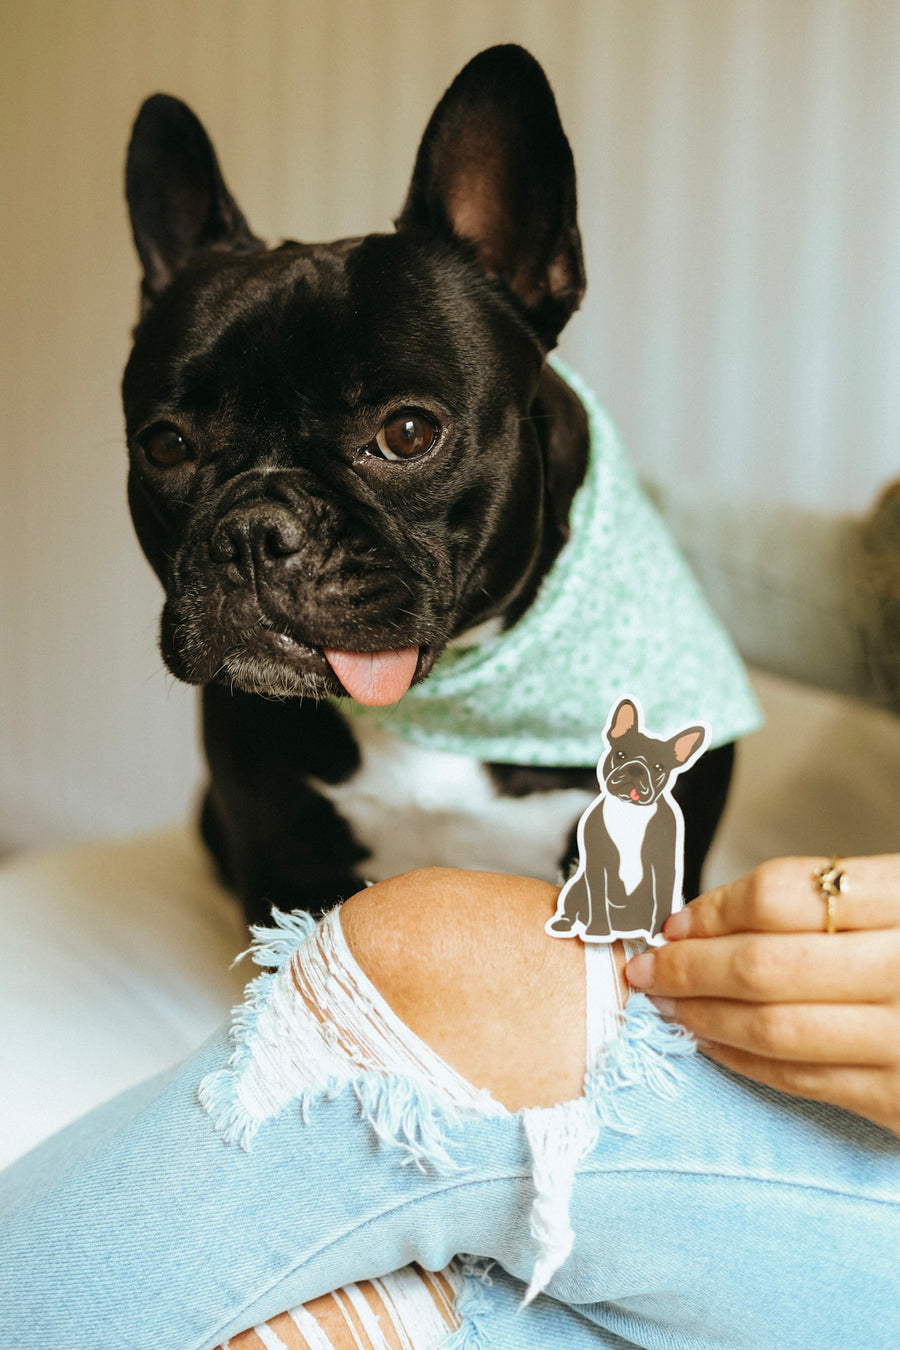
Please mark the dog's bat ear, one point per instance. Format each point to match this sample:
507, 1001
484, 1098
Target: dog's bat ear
625, 718
687, 744
495, 170
176, 194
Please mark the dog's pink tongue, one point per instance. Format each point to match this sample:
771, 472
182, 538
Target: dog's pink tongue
375, 678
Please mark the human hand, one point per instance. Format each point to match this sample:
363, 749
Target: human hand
751, 972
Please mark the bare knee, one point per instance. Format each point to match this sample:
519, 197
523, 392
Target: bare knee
463, 959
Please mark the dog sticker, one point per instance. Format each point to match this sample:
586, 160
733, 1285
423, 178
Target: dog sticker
631, 837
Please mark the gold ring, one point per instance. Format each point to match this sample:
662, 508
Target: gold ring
830, 883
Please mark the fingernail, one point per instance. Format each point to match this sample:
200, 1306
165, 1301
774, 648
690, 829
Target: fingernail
678, 925
639, 971
664, 1006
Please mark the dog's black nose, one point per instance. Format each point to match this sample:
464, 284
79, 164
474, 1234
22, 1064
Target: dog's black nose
255, 535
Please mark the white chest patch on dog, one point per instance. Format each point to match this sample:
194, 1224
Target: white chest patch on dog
413, 807
626, 825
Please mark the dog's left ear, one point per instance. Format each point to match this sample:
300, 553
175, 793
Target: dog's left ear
495, 170
176, 194
687, 745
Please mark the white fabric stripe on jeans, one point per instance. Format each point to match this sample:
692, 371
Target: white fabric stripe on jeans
341, 1298
272, 1341
407, 1294
312, 1333
437, 1283
415, 1304
603, 1001
368, 1318
561, 1136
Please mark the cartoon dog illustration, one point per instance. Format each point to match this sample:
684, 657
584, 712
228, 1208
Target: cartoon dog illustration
631, 837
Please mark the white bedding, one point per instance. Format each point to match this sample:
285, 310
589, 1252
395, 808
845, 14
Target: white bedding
115, 959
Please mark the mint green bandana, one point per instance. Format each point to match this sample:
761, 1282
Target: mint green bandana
617, 615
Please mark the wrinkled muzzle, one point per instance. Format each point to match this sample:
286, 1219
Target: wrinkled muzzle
272, 577
631, 782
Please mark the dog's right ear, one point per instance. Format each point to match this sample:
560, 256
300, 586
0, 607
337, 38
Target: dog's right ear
176, 194
495, 170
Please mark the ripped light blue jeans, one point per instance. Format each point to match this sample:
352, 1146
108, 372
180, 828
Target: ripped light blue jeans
320, 1143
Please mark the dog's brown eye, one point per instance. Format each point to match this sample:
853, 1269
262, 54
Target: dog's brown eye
406, 435
166, 446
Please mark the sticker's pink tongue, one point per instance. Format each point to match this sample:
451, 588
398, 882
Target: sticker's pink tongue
375, 678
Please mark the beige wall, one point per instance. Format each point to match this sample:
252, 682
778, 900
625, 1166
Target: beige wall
740, 186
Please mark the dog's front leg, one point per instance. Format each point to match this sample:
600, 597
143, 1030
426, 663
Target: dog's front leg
275, 840
610, 918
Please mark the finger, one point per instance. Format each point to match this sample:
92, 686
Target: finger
817, 1033
774, 968
781, 896
871, 1092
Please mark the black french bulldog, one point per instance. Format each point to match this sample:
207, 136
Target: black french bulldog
345, 455
629, 877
